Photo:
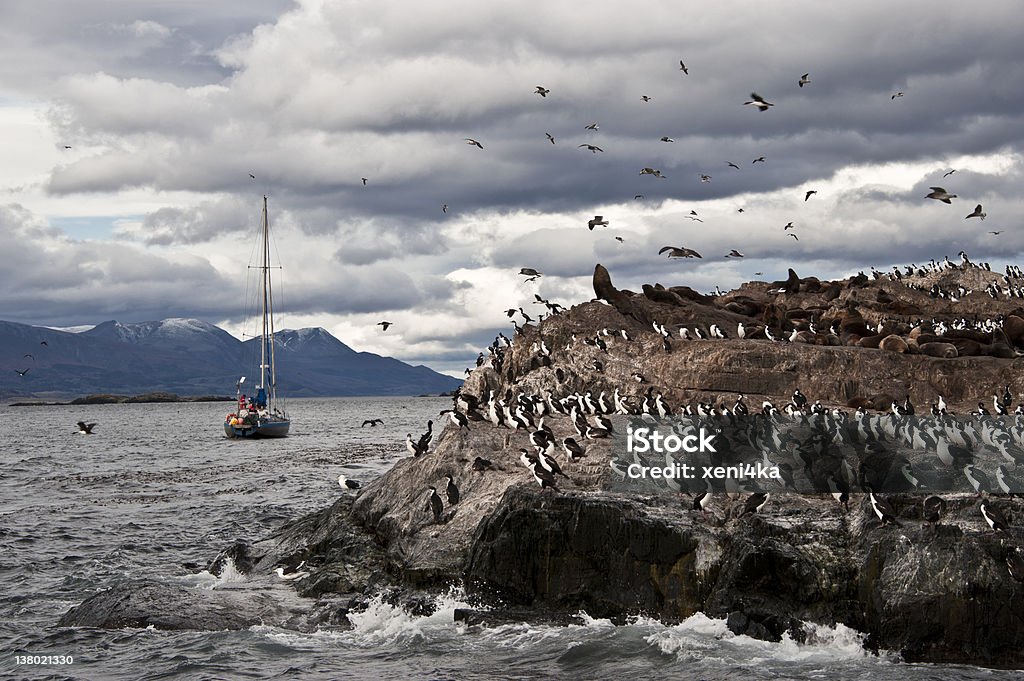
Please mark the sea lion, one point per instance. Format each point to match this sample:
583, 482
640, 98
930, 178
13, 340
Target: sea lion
893, 343
935, 349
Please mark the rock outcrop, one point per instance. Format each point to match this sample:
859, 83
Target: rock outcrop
939, 593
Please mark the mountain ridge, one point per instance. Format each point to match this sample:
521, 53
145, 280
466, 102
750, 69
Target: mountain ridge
193, 357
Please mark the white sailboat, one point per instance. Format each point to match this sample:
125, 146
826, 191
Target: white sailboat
261, 415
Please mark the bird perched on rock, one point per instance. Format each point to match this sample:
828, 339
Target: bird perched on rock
883, 509
451, 491
346, 484
934, 507
434, 504
993, 517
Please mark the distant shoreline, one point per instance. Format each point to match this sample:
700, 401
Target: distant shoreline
146, 398
158, 397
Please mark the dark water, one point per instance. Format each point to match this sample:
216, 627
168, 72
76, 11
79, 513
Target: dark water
158, 487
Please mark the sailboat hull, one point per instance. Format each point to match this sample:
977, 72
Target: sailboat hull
262, 428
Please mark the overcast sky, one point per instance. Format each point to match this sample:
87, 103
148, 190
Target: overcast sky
168, 106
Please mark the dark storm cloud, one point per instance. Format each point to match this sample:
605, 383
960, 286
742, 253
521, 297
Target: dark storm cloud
194, 98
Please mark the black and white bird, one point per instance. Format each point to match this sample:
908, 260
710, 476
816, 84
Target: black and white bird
573, 449
435, 505
347, 484
451, 491
883, 509
978, 213
754, 503
993, 517
85, 428
759, 101
372, 422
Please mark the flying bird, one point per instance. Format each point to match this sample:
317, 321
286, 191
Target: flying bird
734, 254
550, 138
638, 197
804, 80
667, 139
44, 343
809, 193
542, 91
67, 146
645, 98
364, 179
384, 325
30, 357
592, 148
789, 225
978, 213
949, 173
731, 164
530, 273
794, 236
940, 194
85, 428
759, 159
682, 67
597, 221
679, 252
705, 178
652, 171
996, 233
759, 101
620, 239
591, 126
470, 140
444, 207
898, 94
252, 176
372, 422
22, 373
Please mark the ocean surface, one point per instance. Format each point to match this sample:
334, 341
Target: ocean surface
158, 488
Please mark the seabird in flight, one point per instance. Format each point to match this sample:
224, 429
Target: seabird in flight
591, 126
542, 91
734, 254
550, 137
682, 67
804, 80
978, 213
470, 140
372, 422
384, 325
940, 194
597, 221
85, 428
22, 373
809, 193
679, 252
592, 148
759, 101
530, 273
731, 164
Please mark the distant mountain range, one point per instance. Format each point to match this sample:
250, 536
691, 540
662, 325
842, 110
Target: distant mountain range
190, 357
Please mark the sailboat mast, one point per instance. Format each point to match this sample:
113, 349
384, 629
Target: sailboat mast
265, 271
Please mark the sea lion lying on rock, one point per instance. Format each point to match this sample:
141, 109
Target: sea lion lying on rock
893, 343
943, 350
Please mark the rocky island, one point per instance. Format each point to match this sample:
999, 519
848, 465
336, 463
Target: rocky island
946, 589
